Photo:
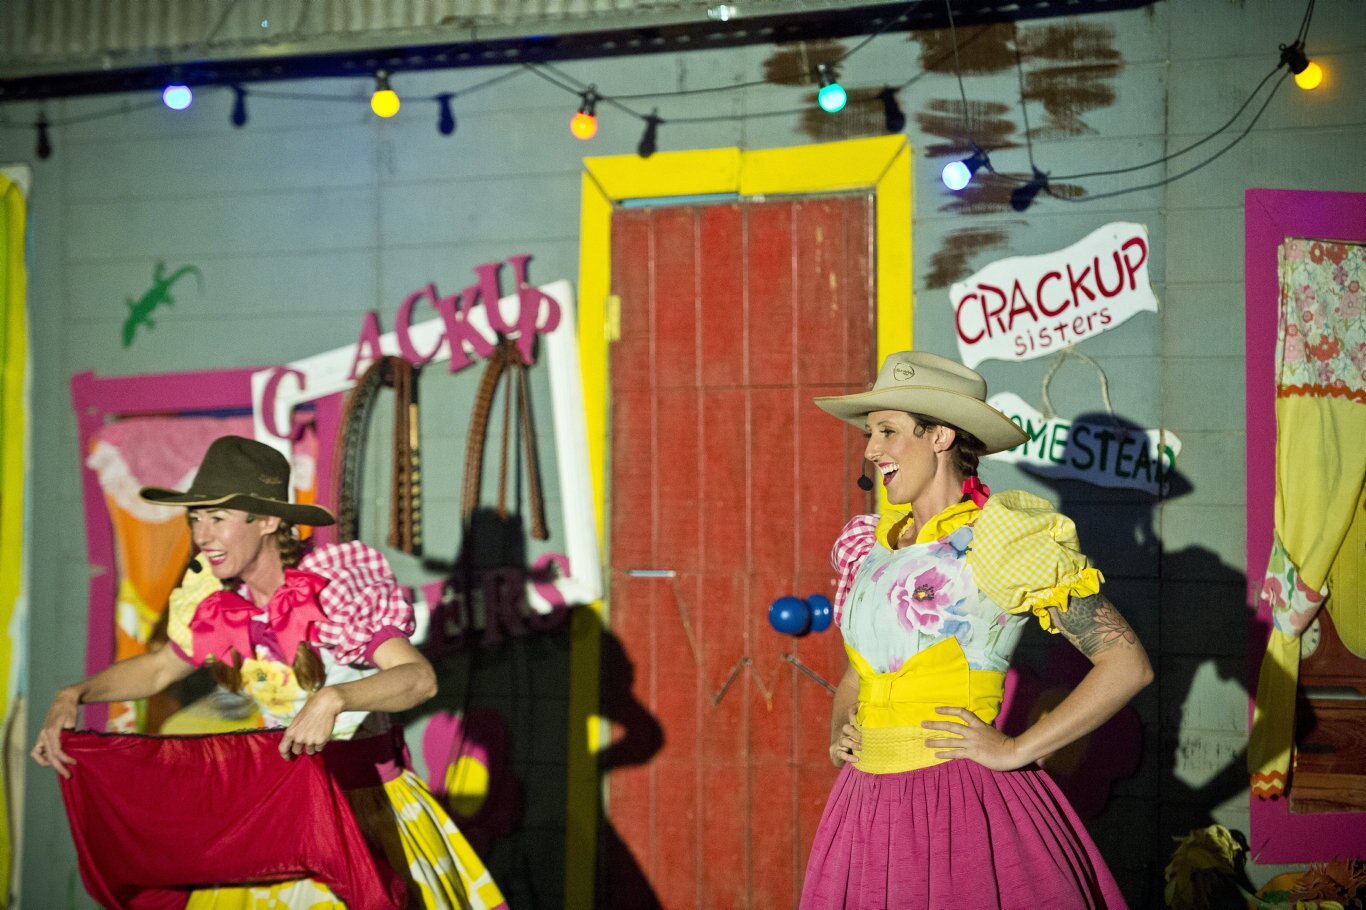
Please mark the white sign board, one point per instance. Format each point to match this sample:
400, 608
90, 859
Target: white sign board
1102, 451
278, 390
1029, 306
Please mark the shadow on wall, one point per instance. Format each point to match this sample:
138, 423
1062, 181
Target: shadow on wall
1190, 608
495, 745
620, 879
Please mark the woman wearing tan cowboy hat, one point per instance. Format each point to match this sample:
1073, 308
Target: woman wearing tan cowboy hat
320, 643
933, 806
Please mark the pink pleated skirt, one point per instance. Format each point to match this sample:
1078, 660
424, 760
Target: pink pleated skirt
954, 835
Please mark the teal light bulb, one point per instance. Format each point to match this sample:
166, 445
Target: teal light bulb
832, 98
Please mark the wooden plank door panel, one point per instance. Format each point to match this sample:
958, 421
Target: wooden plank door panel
733, 316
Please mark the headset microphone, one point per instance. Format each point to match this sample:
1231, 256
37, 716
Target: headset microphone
865, 483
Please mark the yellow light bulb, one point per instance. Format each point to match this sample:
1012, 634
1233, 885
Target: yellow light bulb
1310, 77
384, 102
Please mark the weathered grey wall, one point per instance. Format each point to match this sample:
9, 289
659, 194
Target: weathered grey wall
316, 212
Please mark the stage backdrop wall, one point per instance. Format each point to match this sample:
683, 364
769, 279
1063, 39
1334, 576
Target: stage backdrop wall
314, 213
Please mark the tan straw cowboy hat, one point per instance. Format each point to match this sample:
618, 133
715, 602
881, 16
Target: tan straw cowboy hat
931, 386
240, 473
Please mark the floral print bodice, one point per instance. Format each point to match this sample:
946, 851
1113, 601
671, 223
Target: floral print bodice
905, 600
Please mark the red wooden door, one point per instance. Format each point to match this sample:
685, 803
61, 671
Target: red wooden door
733, 316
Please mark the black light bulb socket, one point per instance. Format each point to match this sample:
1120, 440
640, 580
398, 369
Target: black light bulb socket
239, 106
589, 104
978, 160
892, 115
1023, 196
445, 121
825, 74
1292, 56
44, 148
382, 81
649, 139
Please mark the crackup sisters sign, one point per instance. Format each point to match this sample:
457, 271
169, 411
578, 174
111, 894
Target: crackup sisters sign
1030, 306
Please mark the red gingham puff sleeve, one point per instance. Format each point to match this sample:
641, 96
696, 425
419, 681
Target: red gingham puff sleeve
363, 602
854, 543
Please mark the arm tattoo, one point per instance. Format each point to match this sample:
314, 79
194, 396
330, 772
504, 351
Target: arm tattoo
1093, 625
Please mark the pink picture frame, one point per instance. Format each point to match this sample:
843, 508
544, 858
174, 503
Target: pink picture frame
96, 401
1276, 835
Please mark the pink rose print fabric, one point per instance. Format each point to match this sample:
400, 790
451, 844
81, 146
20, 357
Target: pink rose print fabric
1321, 346
919, 595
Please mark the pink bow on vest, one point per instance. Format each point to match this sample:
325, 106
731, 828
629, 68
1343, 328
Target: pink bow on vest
222, 623
978, 491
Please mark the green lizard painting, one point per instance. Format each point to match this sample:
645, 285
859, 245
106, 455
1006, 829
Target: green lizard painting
140, 310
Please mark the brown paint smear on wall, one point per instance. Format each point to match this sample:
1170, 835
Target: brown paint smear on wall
950, 262
795, 64
1069, 70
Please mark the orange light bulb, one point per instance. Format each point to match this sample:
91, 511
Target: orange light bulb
583, 125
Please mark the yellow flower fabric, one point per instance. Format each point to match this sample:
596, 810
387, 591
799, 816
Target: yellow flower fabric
184, 600
419, 840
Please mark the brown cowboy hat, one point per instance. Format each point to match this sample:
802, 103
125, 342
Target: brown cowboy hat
240, 473
931, 386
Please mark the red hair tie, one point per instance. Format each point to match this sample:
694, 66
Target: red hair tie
979, 491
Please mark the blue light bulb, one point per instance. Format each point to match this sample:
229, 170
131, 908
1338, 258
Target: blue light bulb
177, 97
956, 175
832, 98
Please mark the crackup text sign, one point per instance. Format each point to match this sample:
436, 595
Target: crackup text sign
1029, 306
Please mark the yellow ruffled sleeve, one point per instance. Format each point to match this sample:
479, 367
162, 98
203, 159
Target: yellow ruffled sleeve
183, 603
1026, 557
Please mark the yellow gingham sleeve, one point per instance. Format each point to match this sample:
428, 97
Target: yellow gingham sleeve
1026, 557
184, 601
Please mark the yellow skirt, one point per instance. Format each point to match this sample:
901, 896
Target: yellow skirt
419, 839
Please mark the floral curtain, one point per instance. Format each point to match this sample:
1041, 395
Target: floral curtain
1320, 467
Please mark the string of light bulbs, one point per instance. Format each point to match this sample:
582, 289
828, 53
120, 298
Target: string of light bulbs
831, 97
957, 174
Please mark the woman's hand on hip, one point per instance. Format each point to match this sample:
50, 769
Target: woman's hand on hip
847, 742
973, 739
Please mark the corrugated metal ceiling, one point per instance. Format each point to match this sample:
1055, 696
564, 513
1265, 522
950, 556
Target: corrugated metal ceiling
60, 47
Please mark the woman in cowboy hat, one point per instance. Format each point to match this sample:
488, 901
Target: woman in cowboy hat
320, 643
934, 807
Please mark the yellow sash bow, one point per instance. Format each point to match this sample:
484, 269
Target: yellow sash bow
891, 706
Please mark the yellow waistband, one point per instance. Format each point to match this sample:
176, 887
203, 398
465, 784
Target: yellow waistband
891, 706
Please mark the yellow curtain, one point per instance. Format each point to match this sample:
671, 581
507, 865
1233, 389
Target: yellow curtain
1320, 468
13, 428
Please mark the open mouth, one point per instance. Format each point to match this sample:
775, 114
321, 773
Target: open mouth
888, 471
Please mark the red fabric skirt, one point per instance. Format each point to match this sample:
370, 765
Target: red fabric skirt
954, 835
155, 817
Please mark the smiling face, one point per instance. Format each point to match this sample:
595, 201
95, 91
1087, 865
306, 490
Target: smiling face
906, 454
232, 545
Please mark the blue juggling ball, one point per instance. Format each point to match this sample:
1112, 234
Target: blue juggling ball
789, 615
821, 612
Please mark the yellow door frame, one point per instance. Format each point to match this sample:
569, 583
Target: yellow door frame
879, 165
